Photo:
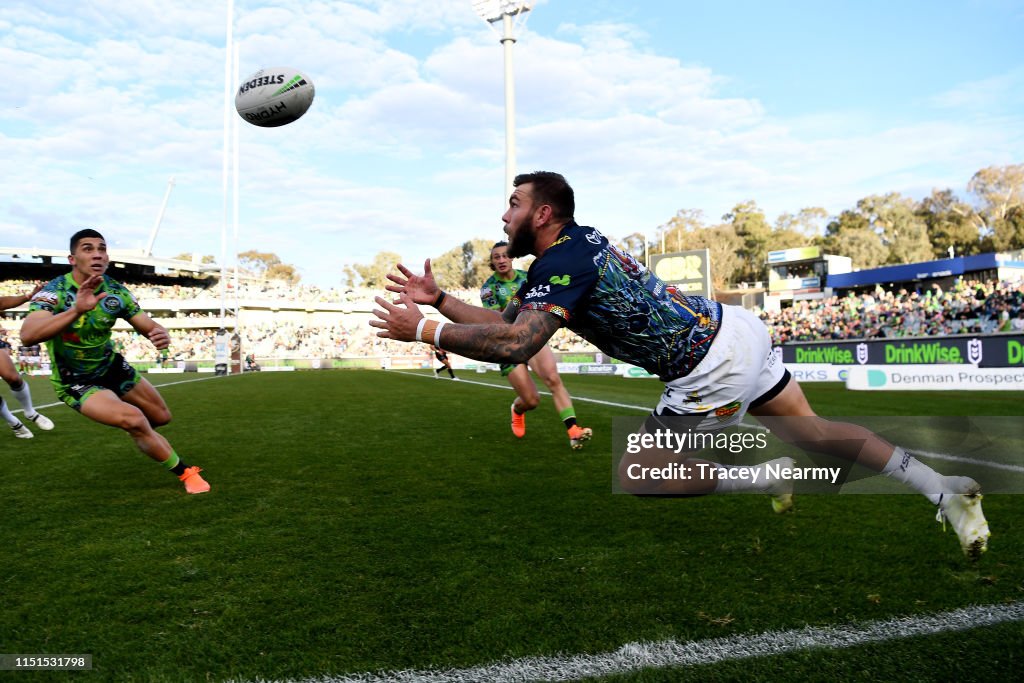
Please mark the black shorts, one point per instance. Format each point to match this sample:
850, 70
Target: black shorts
120, 378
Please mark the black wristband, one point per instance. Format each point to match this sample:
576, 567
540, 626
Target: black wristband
439, 299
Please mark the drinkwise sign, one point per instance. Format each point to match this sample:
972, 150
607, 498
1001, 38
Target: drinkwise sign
983, 351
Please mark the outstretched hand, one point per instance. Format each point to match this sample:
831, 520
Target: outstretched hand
87, 297
422, 289
396, 320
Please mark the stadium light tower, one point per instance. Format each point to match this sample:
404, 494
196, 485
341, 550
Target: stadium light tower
509, 13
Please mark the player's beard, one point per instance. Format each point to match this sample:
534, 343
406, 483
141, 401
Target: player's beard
520, 242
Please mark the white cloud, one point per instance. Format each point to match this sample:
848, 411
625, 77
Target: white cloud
403, 149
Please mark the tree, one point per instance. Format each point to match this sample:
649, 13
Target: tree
892, 217
677, 230
810, 223
283, 272
187, 256
257, 262
851, 235
949, 222
374, 275
349, 276
723, 245
1000, 190
465, 266
635, 245
268, 266
687, 230
751, 226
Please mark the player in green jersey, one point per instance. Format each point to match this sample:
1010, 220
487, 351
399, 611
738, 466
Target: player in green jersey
495, 294
19, 387
74, 315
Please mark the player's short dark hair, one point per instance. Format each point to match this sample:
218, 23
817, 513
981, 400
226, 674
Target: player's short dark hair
552, 189
81, 235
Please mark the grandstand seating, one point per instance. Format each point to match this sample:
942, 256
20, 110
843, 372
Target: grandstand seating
287, 322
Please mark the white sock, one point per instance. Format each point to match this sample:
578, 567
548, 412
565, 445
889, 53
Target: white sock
905, 468
7, 415
24, 397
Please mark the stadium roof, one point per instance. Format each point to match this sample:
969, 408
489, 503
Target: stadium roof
909, 272
125, 256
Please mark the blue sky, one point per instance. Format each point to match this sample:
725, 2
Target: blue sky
648, 107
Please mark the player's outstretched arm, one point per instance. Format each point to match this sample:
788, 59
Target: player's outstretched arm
423, 289
500, 342
18, 299
148, 328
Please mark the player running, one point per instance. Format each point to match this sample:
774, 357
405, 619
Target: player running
496, 293
442, 357
74, 315
19, 387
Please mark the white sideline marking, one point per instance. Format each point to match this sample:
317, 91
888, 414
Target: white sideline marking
757, 427
506, 386
158, 386
669, 653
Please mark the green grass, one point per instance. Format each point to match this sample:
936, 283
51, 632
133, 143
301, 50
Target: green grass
367, 520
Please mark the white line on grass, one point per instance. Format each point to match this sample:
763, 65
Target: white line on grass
542, 393
927, 454
158, 386
669, 653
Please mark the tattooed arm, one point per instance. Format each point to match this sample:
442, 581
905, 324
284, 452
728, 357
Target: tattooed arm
515, 343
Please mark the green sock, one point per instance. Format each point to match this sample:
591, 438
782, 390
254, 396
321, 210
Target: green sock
568, 417
176, 464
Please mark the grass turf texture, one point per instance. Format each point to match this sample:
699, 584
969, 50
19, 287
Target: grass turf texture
366, 520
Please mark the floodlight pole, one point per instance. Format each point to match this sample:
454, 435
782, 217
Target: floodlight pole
507, 41
508, 12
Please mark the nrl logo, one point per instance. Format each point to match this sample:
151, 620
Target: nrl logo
862, 353
974, 351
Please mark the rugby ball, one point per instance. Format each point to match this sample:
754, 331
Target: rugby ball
273, 97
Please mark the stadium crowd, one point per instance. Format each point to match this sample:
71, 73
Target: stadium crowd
968, 307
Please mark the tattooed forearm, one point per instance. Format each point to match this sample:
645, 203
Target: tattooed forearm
515, 343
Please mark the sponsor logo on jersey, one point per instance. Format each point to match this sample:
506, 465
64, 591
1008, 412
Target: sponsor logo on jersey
728, 410
45, 298
110, 304
562, 280
538, 291
593, 237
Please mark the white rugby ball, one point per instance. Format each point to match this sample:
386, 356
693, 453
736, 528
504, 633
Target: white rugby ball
273, 97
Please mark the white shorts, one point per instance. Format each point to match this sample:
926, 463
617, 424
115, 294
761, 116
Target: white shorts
739, 369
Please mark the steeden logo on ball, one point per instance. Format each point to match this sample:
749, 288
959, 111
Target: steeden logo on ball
274, 97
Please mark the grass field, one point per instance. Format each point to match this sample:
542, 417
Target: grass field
368, 521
